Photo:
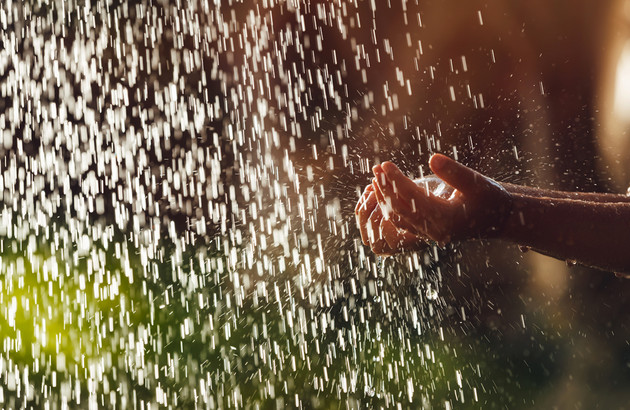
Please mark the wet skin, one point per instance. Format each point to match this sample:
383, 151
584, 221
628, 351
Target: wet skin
396, 213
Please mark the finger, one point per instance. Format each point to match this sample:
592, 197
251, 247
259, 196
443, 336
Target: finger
373, 224
399, 240
411, 202
383, 202
360, 202
397, 185
377, 170
381, 248
365, 205
402, 206
425, 212
363, 216
391, 234
363, 197
455, 174
398, 221
403, 223
377, 242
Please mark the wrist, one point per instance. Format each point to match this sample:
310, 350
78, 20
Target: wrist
516, 226
502, 214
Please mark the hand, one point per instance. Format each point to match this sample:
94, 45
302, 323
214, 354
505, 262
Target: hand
383, 237
476, 206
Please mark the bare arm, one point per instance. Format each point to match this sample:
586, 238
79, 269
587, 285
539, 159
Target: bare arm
589, 228
549, 193
593, 233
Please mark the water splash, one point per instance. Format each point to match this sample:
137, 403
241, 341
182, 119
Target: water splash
170, 235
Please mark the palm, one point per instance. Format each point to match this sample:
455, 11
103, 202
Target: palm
383, 237
456, 203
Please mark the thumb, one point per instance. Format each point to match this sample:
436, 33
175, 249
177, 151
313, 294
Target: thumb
456, 175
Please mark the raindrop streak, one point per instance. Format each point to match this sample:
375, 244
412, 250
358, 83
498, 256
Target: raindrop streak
431, 293
175, 179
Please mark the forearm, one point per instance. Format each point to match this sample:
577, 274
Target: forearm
592, 233
549, 193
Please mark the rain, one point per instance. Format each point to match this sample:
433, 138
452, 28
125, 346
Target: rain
177, 180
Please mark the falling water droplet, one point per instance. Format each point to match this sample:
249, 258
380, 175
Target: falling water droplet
370, 391
172, 228
431, 293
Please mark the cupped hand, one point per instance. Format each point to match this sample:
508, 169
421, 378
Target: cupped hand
383, 237
473, 205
